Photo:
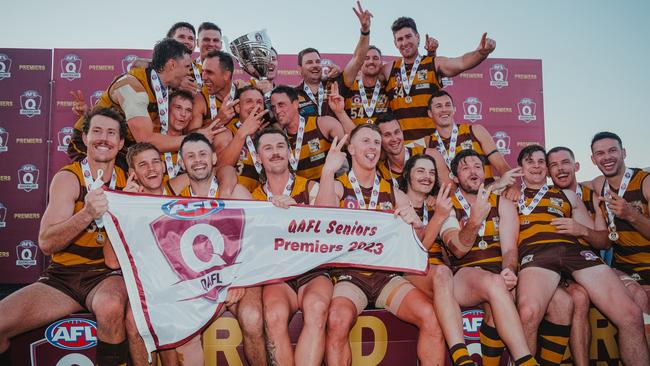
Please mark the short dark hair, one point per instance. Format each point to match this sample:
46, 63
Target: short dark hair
225, 60
606, 135
462, 156
286, 89
208, 26
385, 118
182, 94
404, 22
106, 112
373, 47
302, 54
136, 149
406, 173
558, 149
165, 50
246, 88
179, 25
528, 151
194, 137
437, 94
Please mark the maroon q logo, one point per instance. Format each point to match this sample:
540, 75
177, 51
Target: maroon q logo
127, 62
4, 138
199, 248
71, 67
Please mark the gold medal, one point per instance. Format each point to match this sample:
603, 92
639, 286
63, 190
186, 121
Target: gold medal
370, 121
100, 238
525, 220
408, 99
482, 245
613, 236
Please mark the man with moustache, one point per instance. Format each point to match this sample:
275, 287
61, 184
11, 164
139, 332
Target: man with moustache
396, 154
77, 277
485, 258
412, 79
450, 138
312, 90
215, 105
546, 255
309, 136
310, 292
362, 188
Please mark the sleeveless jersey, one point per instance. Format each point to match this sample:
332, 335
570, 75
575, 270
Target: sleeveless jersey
313, 150
465, 140
246, 174
354, 104
536, 228
299, 192
389, 174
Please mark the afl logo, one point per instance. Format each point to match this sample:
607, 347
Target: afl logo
72, 334
188, 209
472, 320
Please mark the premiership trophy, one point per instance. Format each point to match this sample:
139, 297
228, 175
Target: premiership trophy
253, 51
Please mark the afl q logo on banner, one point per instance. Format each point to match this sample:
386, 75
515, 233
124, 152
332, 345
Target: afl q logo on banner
502, 140
472, 107
26, 254
127, 63
64, 137
498, 76
28, 177
4, 139
71, 67
527, 110
5, 66
30, 104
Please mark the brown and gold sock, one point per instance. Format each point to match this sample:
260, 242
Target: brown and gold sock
109, 354
552, 342
492, 347
460, 355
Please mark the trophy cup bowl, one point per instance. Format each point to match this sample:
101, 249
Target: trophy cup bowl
253, 51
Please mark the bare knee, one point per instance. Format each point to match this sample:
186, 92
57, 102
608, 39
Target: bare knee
340, 320
580, 299
496, 286
442, 275
251, 319
275, 317
427, 322
560, 308
315, 311
110, 312
530, 312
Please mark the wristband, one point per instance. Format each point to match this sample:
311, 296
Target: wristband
365, 33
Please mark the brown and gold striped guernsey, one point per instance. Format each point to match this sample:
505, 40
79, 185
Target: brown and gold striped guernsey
413, 117
307, 107
465, 140
84, 252
435, 251
246, 174
632, 250
186, 192
174, 160
588, 199
207, 115
77, 148
388, 174
477, 257
354, 104
313, 150
385, 201
538, 229
299, 192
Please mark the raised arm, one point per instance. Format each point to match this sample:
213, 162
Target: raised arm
358, 57
330, 191
452, 66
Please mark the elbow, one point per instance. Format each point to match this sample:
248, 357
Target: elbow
45, 245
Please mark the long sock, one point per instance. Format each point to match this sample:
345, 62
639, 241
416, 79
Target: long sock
460, 355
109, 354
552, 342
526, 361
492, 347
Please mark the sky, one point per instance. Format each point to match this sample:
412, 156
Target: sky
593, 52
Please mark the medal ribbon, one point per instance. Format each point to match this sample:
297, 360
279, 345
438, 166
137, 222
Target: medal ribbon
448, 155
294, 157
407, 155
321, 95
621, 191
91, 183
468, 209
526, 210
357, 191
287, 188
369, 108
408, 82
214, 186
162, 98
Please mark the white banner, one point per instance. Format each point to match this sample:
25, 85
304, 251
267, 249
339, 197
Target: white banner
180, 255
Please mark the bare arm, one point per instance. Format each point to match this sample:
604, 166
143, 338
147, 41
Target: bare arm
487, 144
330, 191
624, 211
508, 234
330, 127
453, 66
467, 235
358, 57
60, 225
443, 170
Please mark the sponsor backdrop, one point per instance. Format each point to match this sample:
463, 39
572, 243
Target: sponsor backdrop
504, 95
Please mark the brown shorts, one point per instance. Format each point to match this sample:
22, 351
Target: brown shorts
297, 282
371, 283
638, 273
490, 267
76, 283
563, 259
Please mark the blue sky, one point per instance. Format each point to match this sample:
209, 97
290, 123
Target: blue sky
593, 52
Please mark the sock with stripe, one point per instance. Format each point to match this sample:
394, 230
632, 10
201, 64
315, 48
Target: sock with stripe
492, 346
526, 361
460, 355
552, 343
109, 354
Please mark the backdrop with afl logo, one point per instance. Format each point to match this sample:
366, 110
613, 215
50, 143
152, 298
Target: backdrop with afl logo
36, 120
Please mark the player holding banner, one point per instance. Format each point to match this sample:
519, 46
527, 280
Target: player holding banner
362, 188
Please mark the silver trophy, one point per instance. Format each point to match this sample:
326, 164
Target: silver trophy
253, 51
